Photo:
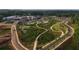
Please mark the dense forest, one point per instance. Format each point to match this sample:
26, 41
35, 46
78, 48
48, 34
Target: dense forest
6, 12
10, 12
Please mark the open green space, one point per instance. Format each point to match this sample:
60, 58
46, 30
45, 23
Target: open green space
59, 27
28, 36
46, 38
48, 24
29, 32
51, 35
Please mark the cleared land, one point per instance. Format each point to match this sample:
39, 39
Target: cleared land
4, 37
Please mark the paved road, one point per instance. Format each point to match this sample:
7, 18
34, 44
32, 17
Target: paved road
36, 41
66, 37
18, 46
62, 39
62, 34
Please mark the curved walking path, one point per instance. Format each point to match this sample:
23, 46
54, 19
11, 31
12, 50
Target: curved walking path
62, 34
62, 38
67, 36
51, 45
36, 40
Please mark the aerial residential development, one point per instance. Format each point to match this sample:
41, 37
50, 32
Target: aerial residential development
39, 29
